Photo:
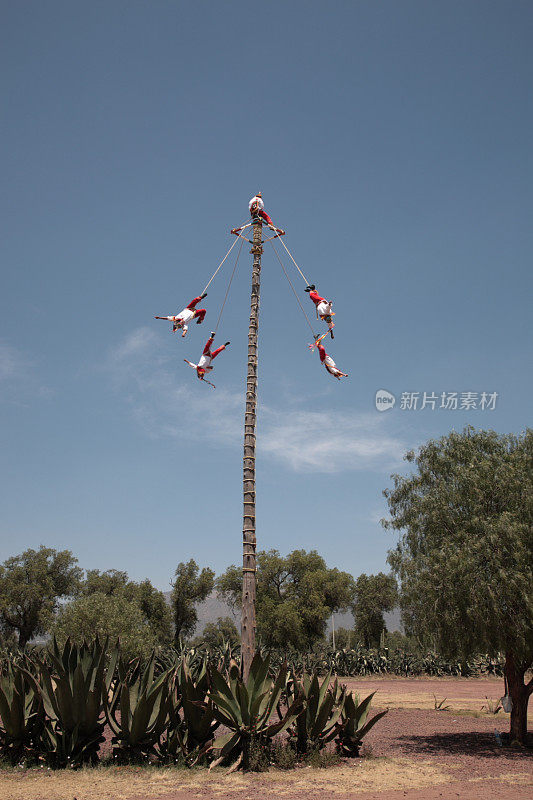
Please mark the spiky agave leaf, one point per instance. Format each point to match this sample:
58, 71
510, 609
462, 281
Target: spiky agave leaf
246, 709
143, 700
71, 686
322, 708
21, 714
192, 734
354, 727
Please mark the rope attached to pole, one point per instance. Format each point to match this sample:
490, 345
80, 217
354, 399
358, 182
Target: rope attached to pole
293, 289
293, 261
217, 269
230, 280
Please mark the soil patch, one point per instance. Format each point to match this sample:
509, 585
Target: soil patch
460, 693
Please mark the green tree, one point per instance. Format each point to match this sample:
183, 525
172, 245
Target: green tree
188, 589
296, 595
106, 615
31, 585
217, 633
465, 558
229, 587
110, 582
151, 601
395, 640
154, 607
344, 638
374, 594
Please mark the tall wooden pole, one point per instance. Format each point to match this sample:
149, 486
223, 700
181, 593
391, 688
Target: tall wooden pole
249, 541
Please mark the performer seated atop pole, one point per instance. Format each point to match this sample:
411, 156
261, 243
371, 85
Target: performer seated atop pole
204, 365
324, 308
257, 208
187, 315
327, 360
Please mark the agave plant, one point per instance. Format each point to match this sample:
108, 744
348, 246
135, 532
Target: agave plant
137, 709
226, 654
246, 709
21, 713
72, 684
353, 725
188, 735
322, 706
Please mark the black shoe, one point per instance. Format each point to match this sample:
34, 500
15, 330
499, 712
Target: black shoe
203, 295
226, 344
310, 288
213, 334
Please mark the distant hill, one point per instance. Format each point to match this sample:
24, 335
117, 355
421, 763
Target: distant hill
212, 608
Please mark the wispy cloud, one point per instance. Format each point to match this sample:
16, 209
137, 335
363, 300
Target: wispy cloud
301, 440
18, 380
326, 441
163, 404
12, 364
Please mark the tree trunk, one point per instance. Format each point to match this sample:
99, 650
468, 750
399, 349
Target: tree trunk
249, 541
519, 694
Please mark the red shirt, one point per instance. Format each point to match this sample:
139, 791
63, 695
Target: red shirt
315, 297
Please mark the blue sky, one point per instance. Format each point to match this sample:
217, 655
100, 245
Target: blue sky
391, 140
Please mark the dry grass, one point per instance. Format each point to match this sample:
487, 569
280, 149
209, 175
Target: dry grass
514, 778
114, 783
468, 694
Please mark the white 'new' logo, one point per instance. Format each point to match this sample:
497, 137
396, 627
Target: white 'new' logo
384, 400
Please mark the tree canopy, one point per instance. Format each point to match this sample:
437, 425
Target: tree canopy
190, 587
465, 556
31, 586
374, 594
151, 601
216, 634
111, 582
344, 638
104, 615
296, 595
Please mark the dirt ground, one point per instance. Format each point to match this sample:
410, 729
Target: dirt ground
414, 752
460, 693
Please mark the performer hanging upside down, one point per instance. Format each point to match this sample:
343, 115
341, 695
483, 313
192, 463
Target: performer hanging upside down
257, 208
186, 316
323, 307
204, 365
327, 360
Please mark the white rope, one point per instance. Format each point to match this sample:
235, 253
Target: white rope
229, 284
217, 269
243, 227
293, 261
293, 289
